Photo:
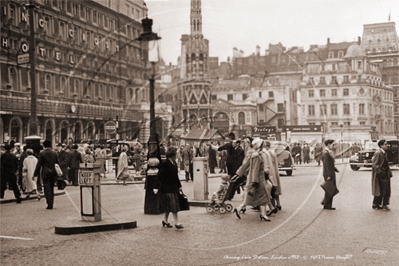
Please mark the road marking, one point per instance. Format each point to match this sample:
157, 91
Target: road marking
66, 192
14, 237
316, 183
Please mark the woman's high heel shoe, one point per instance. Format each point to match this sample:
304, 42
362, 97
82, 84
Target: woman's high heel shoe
166, 224
236, 212
264, 218
243, 210
278, 207
179, 226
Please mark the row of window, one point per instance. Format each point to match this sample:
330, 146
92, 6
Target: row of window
346, 110
59, 27
345, 92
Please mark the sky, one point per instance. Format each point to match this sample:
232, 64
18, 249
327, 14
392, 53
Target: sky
244, 24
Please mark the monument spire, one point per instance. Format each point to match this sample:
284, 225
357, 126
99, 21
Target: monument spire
196, 18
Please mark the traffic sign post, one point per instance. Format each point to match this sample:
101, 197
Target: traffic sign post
90, 192
110, 127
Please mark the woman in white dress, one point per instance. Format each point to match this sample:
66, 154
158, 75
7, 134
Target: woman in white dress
29, 167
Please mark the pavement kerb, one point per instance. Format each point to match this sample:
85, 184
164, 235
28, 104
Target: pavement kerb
32, 197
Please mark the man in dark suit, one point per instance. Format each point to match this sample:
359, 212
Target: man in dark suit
46, 163
73, 164
381, 177
329, 170
8, 170
63, 156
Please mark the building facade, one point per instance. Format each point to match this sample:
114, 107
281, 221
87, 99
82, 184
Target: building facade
381, 45
348, 102
89, 69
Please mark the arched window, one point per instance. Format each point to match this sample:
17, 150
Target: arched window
76, 89
331, 54
192, 57
340, 54
241, 118
15, 129
13, 78
71, 87
47, 85
64, 86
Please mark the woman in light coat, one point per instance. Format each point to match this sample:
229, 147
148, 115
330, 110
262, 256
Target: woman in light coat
123, 172
274, 175
29, 167
255, 189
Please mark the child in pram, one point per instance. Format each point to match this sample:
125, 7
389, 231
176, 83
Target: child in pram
218, 198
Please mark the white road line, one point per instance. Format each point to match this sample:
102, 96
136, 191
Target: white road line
14, 237
66, 192
268, 233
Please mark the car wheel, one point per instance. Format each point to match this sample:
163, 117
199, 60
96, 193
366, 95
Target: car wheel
355, 167
289, 172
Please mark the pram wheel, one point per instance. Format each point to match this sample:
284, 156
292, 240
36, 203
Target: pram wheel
222, 210
209, 207
229, 207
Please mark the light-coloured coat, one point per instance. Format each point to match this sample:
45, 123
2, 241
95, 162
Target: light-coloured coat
29, 165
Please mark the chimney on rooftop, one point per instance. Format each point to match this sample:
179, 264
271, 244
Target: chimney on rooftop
359, 40
328, 41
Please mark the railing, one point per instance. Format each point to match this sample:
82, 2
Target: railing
19, 101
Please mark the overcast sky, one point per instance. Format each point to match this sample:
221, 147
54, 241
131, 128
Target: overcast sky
246, 23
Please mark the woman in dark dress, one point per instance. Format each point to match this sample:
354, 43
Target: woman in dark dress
169, 186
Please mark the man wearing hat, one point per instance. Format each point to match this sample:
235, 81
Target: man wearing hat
8, 170
46, 162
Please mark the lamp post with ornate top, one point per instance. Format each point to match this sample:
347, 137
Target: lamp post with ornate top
153, 158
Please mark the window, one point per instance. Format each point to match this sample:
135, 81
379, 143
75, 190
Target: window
82, 11
361, 109
323, 109
362, 123
105, 21
311, 93
331, 54
334, 80
347, 123
322, 93
138, 13
213, 97
260, 94
260, 108
311, 81
229, 97
311, 110
280, 107
346, 109
94, 16
334, 92
346, 79
346, 92
334, 109
88, 14
280, 123
270, 94
340, 54
334, 67
322, 80
241, 118
334, 123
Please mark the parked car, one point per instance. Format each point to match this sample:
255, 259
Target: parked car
284, 157
364, 157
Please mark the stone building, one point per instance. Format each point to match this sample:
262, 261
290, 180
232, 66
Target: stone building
381, 45
89, 69
347, 97
194, 91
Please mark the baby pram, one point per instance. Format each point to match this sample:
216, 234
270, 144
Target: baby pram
217, 202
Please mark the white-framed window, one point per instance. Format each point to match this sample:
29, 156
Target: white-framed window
323, 109
311, 110
346, 109
361, 109
334, 109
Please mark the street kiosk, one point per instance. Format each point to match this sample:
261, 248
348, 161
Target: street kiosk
90, 191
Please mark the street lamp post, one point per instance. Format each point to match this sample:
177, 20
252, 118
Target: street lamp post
154, 158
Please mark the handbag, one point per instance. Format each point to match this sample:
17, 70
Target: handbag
58, 169
329, 188
183, 202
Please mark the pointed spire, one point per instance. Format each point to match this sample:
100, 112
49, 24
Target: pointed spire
196, 18
389, 17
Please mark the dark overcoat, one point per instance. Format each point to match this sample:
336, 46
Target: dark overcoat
378, 161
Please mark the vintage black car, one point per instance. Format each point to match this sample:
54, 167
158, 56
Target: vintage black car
364, 157
284, 157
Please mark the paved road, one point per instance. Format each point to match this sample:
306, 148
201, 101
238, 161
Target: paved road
301, 234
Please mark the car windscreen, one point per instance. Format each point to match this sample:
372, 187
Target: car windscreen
371, 145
